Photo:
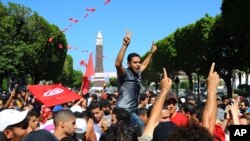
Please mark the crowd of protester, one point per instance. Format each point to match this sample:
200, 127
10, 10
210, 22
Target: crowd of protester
22, 117
121, 116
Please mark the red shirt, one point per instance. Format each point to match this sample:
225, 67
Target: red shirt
179, 119
219, 134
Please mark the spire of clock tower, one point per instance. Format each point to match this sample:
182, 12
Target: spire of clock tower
99, 81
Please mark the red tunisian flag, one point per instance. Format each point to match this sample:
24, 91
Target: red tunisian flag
88, 73
51, 95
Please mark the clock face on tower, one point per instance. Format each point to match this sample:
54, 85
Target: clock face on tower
99, 42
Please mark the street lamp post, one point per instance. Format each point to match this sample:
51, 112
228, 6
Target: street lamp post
177, 82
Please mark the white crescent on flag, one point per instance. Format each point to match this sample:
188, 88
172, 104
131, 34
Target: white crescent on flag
53, 92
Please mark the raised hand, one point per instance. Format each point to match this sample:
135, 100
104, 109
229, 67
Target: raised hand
153, 48
213, 78
126, 39
166, 82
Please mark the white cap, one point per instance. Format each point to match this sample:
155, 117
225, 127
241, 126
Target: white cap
76, 108
10, 117
81, 123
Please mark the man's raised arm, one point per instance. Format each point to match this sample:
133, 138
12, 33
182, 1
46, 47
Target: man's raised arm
210, 110
120, 56
148, 58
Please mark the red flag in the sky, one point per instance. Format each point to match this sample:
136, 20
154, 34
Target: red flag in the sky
86, 15
91, 9
88, 73
51, 95
107, 1
82, 63
90, 69
73, 20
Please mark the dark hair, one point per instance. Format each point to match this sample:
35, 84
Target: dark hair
94, 105
120, 133
191, 132
142, 97
131, 55
31, 113
40, 135
190, 96
122, 115
141, 111
190, 108
245, 101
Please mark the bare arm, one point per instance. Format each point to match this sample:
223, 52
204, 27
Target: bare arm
210, 110
118, 62
235, 112
148, 58
227, 118
12, 94
157, 108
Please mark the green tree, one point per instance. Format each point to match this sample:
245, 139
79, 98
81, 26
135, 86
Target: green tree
25, 49
235, 24
5, 84
113, 81
222, 52
67, 74
77, 79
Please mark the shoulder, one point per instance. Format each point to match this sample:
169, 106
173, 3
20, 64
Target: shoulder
145, 138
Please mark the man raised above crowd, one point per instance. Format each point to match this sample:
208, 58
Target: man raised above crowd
129, 79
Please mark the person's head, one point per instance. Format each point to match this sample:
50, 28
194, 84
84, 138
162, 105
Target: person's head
143, 99
224, 99
40, 135
190, 97
191, 132
152, 99
120, 133
244, 105
190, 110
116, 93
32, 118
45, 114
84, 103
13, 124
120, 116
165, 115
143, 114
64, 122
105, 104
28, 106
163, 130
134, 62
96, 111
19, 96
245, 119
171, 103
105, 123
94, 97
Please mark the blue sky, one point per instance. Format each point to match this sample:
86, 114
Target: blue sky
149, 20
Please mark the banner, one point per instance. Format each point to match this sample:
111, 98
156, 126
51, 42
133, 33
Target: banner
51, 95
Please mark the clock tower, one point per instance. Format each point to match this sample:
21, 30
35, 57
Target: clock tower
99, 81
